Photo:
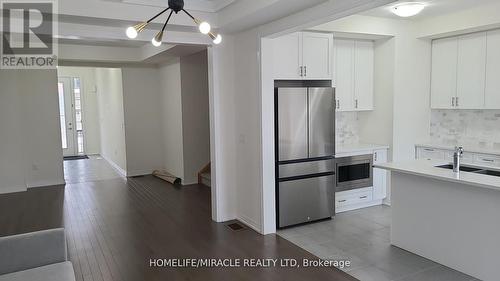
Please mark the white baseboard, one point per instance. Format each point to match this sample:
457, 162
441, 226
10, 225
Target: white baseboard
46, 183
12, 189
121, 171
250, 223
139, 173
189, 182
358, 206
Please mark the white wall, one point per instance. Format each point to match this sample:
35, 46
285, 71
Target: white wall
195, 114
222, 129
248, 128
12, 160
91, 129
143, 124
111, 116
171, 102
40, 106
31, 153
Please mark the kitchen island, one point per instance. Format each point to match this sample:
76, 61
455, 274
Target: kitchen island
452, 219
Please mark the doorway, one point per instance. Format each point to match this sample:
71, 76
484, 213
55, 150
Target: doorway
71, 116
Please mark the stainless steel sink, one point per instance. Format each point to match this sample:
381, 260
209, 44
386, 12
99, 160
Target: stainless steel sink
489, 173
462, 168
473, 170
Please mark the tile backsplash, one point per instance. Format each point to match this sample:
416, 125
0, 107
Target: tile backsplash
347, 130
466, 127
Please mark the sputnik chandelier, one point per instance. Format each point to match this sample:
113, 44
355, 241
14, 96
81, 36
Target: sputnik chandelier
174, 6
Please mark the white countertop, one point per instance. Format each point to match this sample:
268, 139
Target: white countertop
467, 147
427, 168
358, 147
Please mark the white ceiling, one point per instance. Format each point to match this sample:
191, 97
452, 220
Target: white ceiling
433, 8
97, 26
210, 6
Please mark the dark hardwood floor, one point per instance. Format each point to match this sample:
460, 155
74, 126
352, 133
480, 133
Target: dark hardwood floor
115, 226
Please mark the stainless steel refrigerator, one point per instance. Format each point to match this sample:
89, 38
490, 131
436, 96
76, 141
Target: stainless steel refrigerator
305, 148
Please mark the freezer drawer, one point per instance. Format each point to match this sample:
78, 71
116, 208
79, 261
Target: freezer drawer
306, 200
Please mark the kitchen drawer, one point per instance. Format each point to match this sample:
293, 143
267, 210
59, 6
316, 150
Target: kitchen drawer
487, 160
467, 157
430, 153
351, 198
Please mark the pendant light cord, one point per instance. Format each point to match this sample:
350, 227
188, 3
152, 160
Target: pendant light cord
165, 25
151, 19
187, 13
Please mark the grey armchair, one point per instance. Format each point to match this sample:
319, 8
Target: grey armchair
37, 256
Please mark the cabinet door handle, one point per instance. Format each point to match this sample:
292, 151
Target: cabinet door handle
428, 149
453, 102
305, 71
356, 104
342, 201
338, 104
363, 197
489, 160
456, 102
375, 156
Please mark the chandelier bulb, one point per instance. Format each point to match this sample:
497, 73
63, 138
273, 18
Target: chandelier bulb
204, 27
133, 31
157, 40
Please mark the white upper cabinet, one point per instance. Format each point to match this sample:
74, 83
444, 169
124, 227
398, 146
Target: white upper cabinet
444, 73
363, 75
303, 55
492, 92
344, 74
471, 71
353, 74
288, 57
463, 72
317, 51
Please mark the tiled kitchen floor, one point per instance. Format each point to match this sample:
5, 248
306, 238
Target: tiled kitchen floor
363, 237
93, 169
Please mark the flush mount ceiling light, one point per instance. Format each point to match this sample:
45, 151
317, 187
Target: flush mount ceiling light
174, 6
409, 9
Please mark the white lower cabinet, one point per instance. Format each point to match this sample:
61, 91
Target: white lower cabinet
379, 176
487, 160
479, 159
430, 153
368, 196
353, 198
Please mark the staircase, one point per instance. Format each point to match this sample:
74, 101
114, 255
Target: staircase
204, 176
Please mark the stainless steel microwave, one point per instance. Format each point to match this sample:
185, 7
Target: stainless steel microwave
354, 172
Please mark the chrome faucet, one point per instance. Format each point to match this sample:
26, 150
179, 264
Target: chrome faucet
459, 152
